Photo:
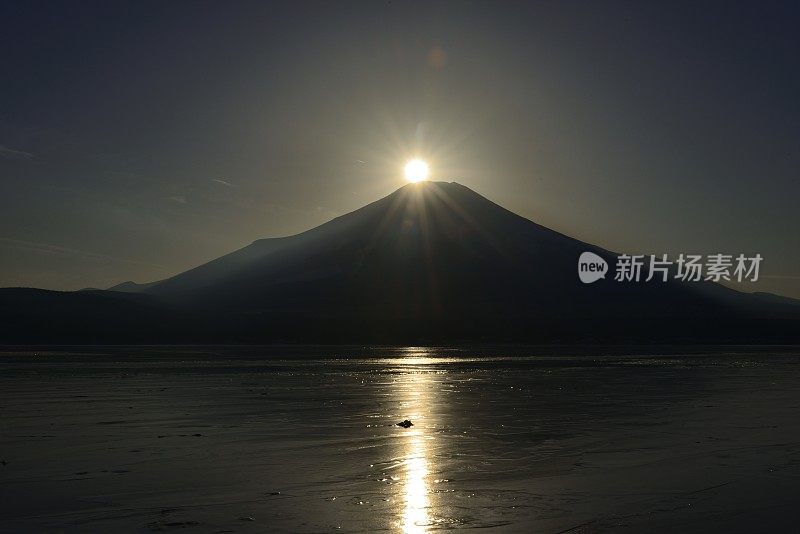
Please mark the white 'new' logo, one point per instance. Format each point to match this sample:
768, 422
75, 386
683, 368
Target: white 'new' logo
591, 267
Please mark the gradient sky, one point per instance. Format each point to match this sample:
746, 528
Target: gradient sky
140, 139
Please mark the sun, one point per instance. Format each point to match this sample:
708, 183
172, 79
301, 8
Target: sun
416, 170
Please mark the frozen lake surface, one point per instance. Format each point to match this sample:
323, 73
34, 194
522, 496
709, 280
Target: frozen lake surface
273, 439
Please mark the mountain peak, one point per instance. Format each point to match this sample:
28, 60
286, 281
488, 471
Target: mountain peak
441, 194
428, 185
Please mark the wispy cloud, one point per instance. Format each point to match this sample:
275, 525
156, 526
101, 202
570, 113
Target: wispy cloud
55, 250
223, 182
10, 153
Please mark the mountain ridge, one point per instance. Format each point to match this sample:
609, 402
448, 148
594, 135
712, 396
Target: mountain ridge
431, 261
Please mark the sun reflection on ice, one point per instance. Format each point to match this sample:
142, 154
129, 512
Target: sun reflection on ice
416, 403
415, 519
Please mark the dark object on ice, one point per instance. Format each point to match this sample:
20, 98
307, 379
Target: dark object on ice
405, 424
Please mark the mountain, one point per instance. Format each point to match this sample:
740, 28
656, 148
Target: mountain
437, 262
131, 287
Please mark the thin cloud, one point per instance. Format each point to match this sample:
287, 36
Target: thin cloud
10, 153
55, 250
223, 182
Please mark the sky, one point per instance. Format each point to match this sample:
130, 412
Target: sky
140, 139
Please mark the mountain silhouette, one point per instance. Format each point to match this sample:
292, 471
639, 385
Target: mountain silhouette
432, 262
